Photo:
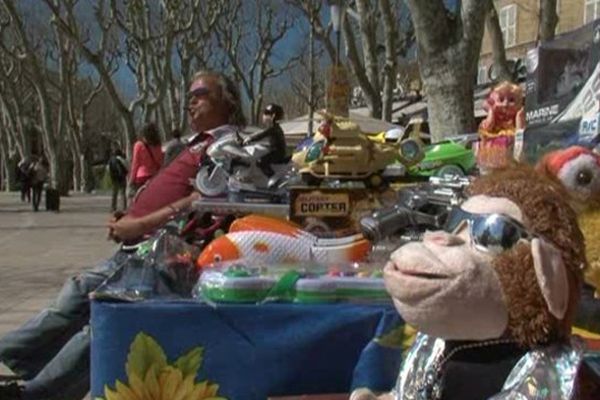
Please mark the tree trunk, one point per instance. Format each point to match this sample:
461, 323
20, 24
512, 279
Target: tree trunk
76, 171
85, 170
390, 66
548, 20
499, 64
449, 46
450, 82
4, 165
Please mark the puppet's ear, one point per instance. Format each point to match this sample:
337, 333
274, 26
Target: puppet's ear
551, 275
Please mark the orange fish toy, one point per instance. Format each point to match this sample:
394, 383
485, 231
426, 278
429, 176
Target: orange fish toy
268, 240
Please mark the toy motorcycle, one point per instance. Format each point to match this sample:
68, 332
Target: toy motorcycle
232, 172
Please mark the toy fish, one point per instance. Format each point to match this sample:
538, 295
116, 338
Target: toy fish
278, 241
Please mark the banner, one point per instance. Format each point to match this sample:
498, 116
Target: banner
563, 77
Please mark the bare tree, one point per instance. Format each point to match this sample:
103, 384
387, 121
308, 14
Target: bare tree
309, 9
548, 20
25, 50
148, 35
300, 87
102, 56
374, 41
194, 49
499, 64
14, 93
78, 95
390, 64
448, 45
248, 35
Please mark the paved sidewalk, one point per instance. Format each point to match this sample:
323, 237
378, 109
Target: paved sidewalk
38, 250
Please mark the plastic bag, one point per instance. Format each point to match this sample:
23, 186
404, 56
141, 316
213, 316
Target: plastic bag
163, 267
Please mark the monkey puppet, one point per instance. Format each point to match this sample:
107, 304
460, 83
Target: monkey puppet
493, 296
504, 107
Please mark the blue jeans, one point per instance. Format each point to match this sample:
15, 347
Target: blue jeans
51, 351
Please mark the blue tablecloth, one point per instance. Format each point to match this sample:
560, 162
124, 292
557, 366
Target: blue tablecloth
250, 351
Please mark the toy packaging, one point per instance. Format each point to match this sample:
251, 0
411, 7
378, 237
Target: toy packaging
240, 282
325, 211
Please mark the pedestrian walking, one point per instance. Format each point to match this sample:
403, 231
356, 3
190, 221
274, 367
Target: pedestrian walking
147, 158
24, 178
117, 170
39, 174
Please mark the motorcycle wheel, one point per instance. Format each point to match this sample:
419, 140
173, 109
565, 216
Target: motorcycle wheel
211, 186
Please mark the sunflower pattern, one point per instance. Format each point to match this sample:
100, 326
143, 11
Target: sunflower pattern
151, 377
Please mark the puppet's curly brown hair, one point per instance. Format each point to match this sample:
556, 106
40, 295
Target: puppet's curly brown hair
548, 215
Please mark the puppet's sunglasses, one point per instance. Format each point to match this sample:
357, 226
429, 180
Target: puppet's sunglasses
492, 233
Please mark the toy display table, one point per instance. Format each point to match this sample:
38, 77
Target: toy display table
249, 351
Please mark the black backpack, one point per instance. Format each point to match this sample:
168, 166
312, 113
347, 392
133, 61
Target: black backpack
116, 169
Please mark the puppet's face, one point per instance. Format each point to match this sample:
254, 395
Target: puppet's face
446, 285
505, 102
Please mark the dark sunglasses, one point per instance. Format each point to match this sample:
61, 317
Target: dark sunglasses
492, 233
198, 92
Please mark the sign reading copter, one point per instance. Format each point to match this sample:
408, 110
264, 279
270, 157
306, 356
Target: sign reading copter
334, 211
318, 204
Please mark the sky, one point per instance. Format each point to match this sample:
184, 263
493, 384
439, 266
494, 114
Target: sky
295, 39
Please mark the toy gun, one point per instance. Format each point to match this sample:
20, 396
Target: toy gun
421, 207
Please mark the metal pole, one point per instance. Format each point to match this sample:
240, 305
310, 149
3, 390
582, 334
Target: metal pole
311, 58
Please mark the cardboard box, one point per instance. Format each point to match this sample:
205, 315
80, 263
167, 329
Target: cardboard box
335, 211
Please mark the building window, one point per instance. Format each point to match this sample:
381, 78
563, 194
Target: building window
557, 29
482, 74
591, 11
508, 24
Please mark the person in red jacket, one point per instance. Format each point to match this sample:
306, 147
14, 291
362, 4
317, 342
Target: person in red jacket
147, 158
50, 353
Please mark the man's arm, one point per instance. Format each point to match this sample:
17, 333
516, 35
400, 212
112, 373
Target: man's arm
257, 136
128, 227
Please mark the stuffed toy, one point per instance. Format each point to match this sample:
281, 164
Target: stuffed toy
578, 170
505, 116
493, 296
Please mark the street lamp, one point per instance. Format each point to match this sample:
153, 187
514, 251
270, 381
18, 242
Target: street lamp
336, 8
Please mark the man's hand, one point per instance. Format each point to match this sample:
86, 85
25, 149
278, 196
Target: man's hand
125, 228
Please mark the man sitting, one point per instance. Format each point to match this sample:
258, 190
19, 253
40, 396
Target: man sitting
50, 352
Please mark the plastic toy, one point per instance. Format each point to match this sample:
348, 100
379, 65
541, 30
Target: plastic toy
303, 283
578, 170
497, 131
232, 172
339, 150
268, 240
445, 158
420, 207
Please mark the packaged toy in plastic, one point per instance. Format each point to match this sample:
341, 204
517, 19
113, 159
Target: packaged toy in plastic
240, 282
162, 267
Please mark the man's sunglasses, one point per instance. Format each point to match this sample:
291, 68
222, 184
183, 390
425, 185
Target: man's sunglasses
492, 233
198, 92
